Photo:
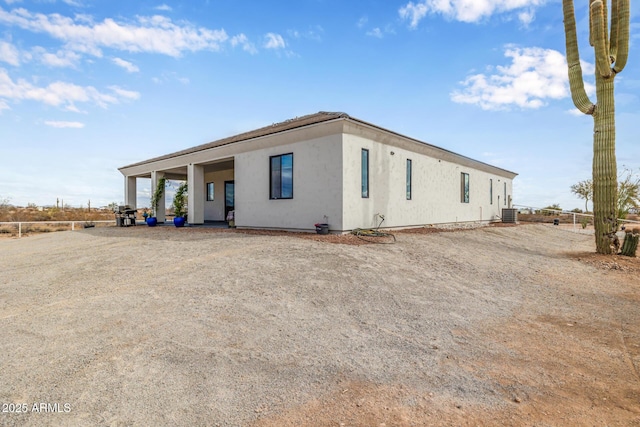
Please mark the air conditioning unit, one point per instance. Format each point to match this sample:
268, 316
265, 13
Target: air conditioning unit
510, 216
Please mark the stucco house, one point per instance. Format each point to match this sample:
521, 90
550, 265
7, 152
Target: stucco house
328, 168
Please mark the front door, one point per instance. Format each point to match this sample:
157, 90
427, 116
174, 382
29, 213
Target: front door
229, 197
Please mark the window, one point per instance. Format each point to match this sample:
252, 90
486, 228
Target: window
464, 187
281, 178
210, 192
491, 191
365, 173
408, 179
505, 193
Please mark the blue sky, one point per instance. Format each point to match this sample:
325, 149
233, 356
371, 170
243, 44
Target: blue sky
89, 86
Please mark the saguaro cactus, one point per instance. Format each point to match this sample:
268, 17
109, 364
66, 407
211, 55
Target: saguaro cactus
611, 52
630, 245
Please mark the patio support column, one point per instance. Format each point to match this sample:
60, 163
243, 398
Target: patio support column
195, 204
161, 214
130, 191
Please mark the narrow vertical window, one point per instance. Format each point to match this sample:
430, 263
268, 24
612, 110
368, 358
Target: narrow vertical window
505, 193
464, 187
210, 191
281, 176
408, 179
287, 176
276, 178
365, 172
491, 191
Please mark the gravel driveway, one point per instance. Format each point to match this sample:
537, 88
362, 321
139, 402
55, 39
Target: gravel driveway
142, 326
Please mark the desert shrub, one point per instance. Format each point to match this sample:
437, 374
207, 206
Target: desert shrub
547, 210
7, 229
54, 214
4, 204
40, 217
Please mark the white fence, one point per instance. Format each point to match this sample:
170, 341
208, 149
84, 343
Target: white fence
73, 223
575, 215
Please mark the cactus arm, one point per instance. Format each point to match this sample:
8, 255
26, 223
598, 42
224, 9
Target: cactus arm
599, 31
613, 37
590, 24
623, 36
605, 19
576, 84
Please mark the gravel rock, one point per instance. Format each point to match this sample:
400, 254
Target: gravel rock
142, 326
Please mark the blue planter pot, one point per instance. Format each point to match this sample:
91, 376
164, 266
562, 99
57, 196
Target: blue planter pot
179, 221
152, 221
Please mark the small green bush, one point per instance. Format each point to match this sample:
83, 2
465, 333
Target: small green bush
547, 210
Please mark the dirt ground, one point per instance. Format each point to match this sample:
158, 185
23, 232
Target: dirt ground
520, 326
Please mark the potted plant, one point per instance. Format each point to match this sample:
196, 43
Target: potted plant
155, 200
179, 201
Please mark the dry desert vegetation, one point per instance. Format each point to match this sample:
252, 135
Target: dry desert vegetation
520, 326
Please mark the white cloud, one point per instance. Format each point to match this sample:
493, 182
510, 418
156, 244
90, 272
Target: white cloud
9, 53
168, 77
155, 34
274, 41
131, 68
362, 22
164, 8
314, 33
527, 16
379, 33
376, 32
534, 76
414, 12
467, 10
242, 40
62, 58
127, 94
59, 94
60, 125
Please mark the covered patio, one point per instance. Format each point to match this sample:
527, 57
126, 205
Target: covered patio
211, 188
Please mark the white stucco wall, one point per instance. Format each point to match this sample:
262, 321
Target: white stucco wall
327, 179
436, 188
214, 210
317, 181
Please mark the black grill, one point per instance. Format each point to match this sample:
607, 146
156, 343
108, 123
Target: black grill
125, 216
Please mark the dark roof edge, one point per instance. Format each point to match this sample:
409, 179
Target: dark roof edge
286, 125
296, 123
435, 147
